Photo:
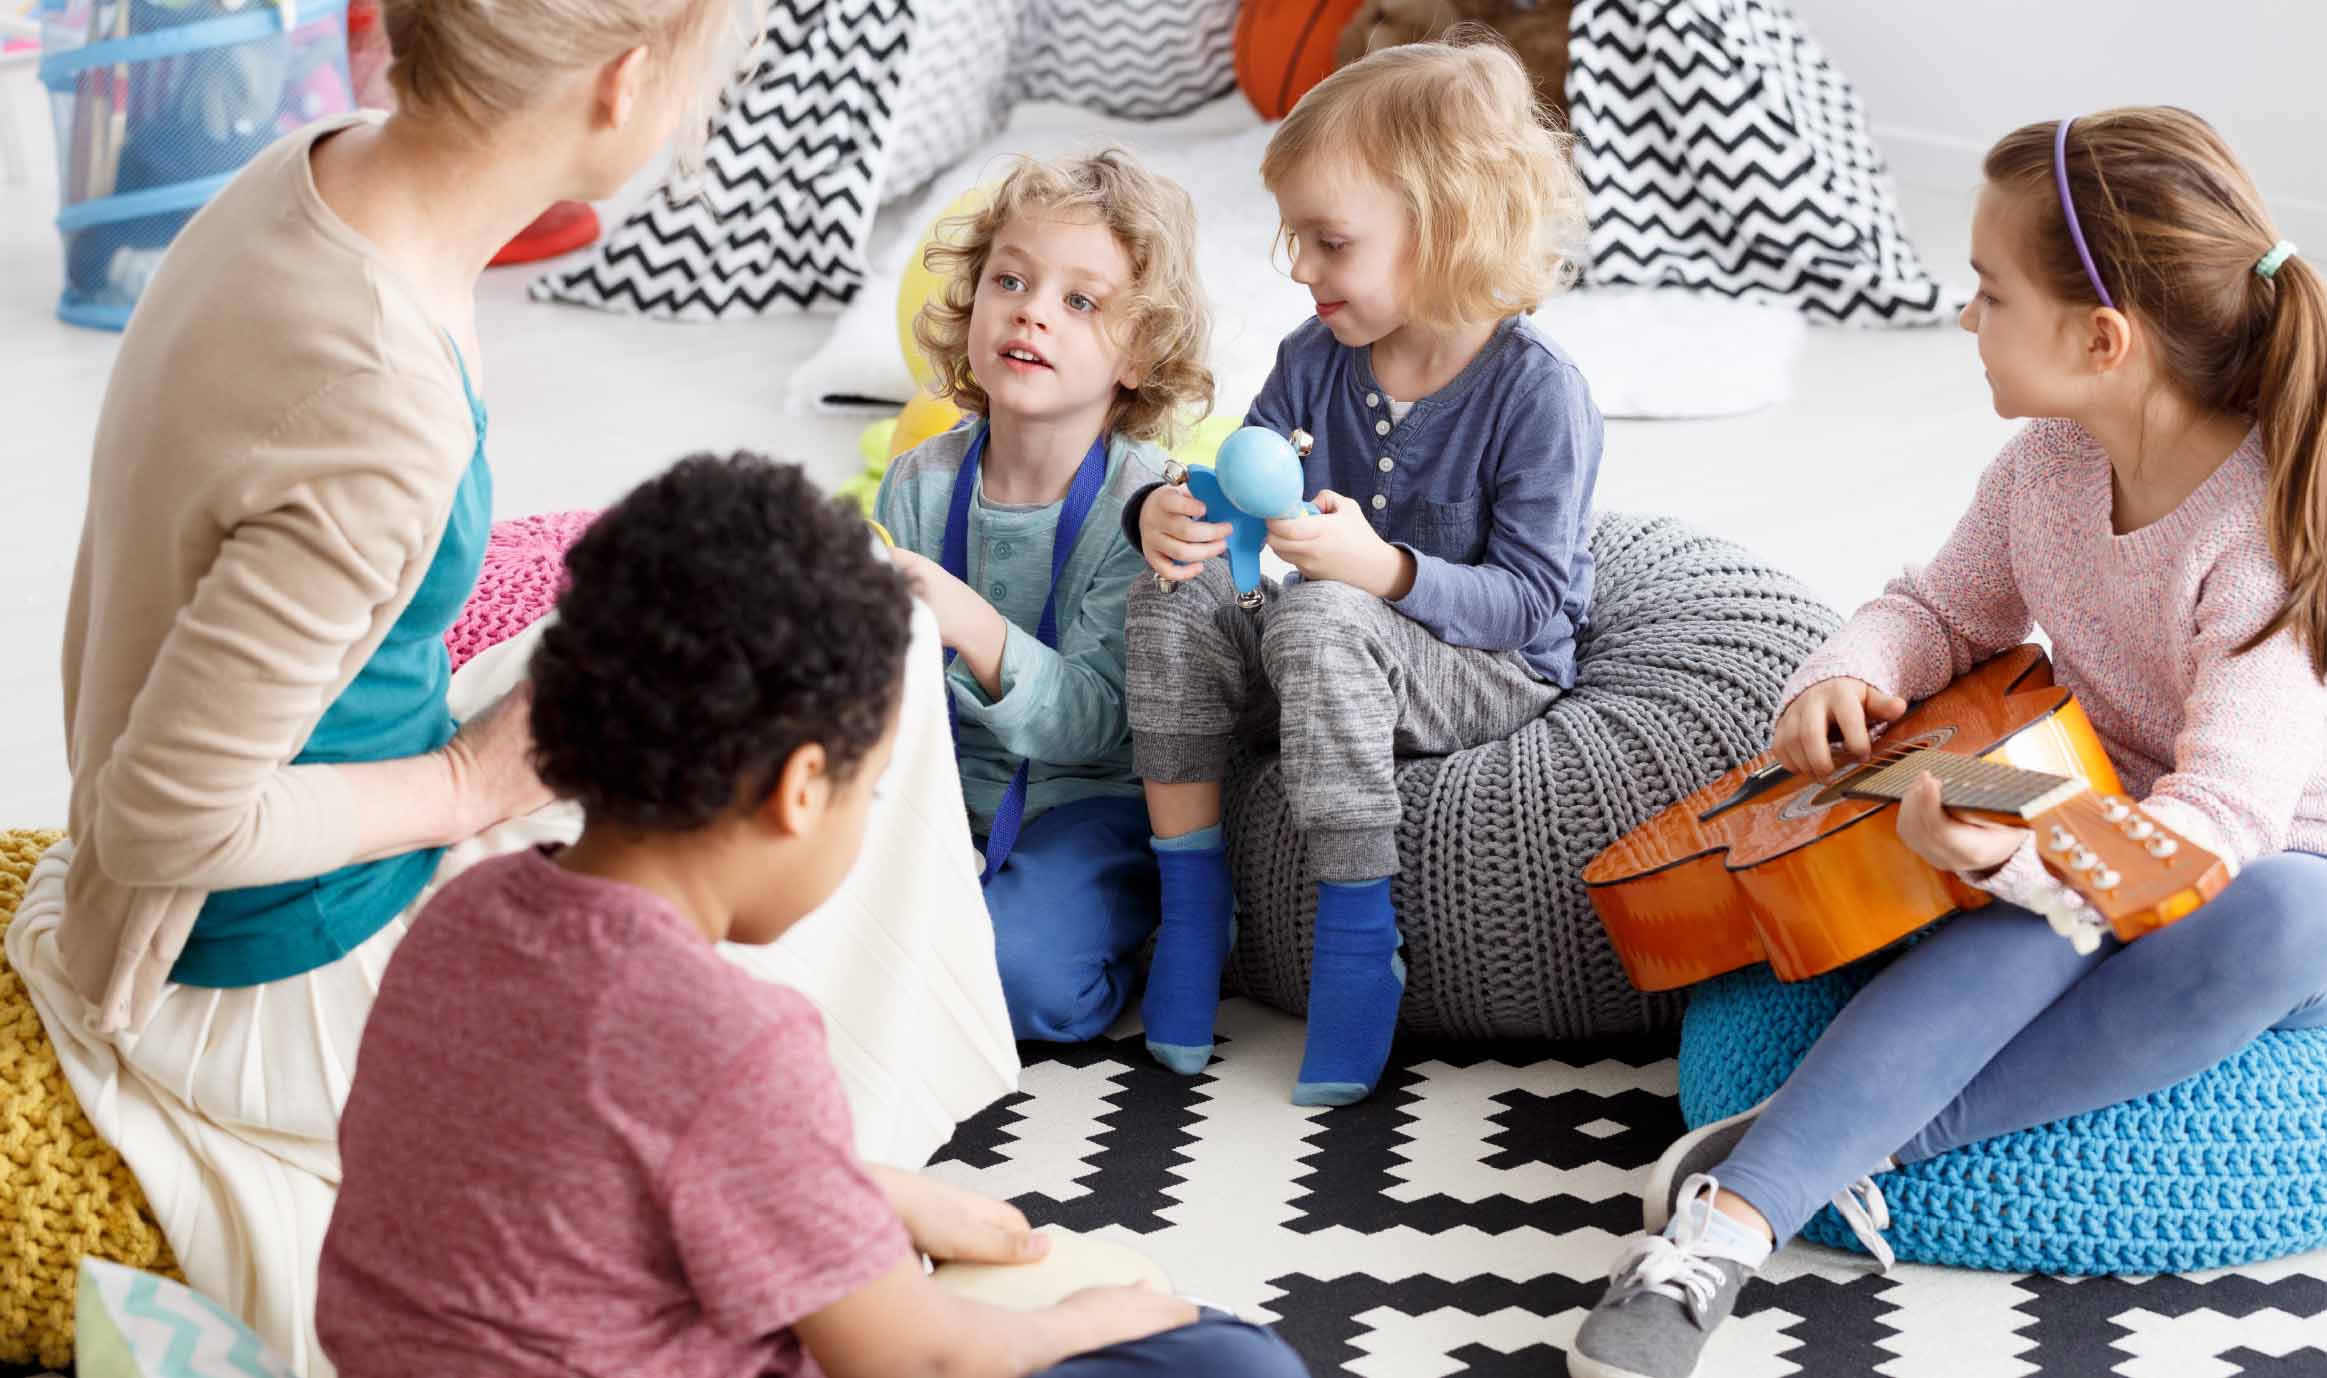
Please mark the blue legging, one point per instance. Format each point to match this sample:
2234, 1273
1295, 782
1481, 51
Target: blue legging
1216, 1346
1995, 1024
1071, 908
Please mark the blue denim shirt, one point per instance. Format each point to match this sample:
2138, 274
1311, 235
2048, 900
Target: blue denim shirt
1488, 482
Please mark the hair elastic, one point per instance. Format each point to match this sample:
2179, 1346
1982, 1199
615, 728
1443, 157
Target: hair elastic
2068, 208
2280, 252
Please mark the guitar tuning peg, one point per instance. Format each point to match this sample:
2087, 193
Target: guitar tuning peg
2105, 879
2116, 810
2140, 829
2062, 838
2162, 847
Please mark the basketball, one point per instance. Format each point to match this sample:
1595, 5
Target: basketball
1284, 47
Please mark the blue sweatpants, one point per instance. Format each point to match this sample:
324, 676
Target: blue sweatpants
1071, 908
1994, 1024
1217, 1346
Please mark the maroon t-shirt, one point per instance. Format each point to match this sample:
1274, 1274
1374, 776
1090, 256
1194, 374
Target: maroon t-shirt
580, 1142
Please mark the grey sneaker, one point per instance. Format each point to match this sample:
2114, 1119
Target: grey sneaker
1665, 1297
1694, 1154
1701, 1151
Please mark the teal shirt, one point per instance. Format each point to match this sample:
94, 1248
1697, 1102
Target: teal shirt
1062, 711
394, 707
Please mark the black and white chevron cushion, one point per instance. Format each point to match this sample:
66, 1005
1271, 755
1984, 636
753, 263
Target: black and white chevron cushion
855, 102
1140, 59
791, 179
974, 59
957, 91
1723, 151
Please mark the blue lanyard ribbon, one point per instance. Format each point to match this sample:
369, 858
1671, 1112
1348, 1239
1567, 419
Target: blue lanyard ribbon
1081, 494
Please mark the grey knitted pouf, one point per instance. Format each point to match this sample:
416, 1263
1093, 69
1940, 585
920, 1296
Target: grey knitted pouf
1676, 682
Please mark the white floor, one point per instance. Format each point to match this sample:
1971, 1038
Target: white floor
1864, 467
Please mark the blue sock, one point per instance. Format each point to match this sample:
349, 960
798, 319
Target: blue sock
1355, 984
1183, 984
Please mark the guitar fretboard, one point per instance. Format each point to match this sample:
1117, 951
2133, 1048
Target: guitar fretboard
1967, 782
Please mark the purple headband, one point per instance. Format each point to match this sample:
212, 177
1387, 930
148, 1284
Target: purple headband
2068, 208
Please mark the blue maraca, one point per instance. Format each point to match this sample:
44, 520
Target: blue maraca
1255, 479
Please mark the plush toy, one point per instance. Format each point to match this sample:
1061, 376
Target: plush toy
1537, 31
1255, 480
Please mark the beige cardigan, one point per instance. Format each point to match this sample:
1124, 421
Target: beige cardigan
280, 445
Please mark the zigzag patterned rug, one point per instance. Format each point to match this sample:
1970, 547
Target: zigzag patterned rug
1460, 1223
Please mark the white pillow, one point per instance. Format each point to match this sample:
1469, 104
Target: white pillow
132, 1324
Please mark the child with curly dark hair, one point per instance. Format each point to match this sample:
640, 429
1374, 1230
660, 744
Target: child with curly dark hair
580, 1141
1074, 331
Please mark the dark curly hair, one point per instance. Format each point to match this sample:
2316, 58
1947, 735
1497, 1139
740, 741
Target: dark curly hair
720, 617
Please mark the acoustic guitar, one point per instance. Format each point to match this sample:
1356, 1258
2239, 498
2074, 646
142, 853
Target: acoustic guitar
1764, 865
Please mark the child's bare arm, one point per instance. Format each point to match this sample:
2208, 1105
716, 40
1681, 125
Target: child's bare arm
901, 1325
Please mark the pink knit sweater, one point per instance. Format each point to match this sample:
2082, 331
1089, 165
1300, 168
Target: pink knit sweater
2229, 750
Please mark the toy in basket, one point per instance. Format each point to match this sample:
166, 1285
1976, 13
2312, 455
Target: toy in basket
1256, 479
157, 104
1811, 874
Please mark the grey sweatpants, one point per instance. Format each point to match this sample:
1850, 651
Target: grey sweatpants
1342, 683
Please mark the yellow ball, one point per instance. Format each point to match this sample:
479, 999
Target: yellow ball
921, 286
926, 415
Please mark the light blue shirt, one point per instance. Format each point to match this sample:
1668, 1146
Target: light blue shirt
1061, 711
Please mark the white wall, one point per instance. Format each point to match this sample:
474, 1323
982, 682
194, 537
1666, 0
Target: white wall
1943, 81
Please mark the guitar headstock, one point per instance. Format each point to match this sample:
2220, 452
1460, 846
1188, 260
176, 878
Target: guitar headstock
2122, 866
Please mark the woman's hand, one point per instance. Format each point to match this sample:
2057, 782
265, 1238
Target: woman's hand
952, 1224
1948, 840
1841, 704
1340, 545
491, 759
1174, 536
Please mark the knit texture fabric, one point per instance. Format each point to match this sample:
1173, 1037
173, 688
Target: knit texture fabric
1677, 681
524, 572
2228, 1167
65, 1194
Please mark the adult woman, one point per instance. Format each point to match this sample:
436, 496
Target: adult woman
288, 504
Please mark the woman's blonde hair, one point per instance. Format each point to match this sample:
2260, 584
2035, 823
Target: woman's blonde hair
479, 61
2177, 230
1455, 130
1162, 321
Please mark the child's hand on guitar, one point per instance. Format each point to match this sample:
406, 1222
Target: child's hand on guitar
1949, 840
1841, 706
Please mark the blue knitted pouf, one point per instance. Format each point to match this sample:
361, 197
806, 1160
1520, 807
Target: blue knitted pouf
2225, 1168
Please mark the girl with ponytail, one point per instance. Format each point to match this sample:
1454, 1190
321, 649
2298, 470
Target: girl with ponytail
2162, 517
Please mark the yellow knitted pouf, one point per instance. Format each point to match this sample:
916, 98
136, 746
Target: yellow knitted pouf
64, 1192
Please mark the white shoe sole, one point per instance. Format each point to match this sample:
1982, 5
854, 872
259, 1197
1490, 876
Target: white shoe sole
1665, 1177
1584, 1366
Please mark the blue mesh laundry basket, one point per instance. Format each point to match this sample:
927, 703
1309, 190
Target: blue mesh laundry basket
157, 103
2228, 1167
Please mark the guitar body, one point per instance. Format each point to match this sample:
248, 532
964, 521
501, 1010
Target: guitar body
1805, 879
